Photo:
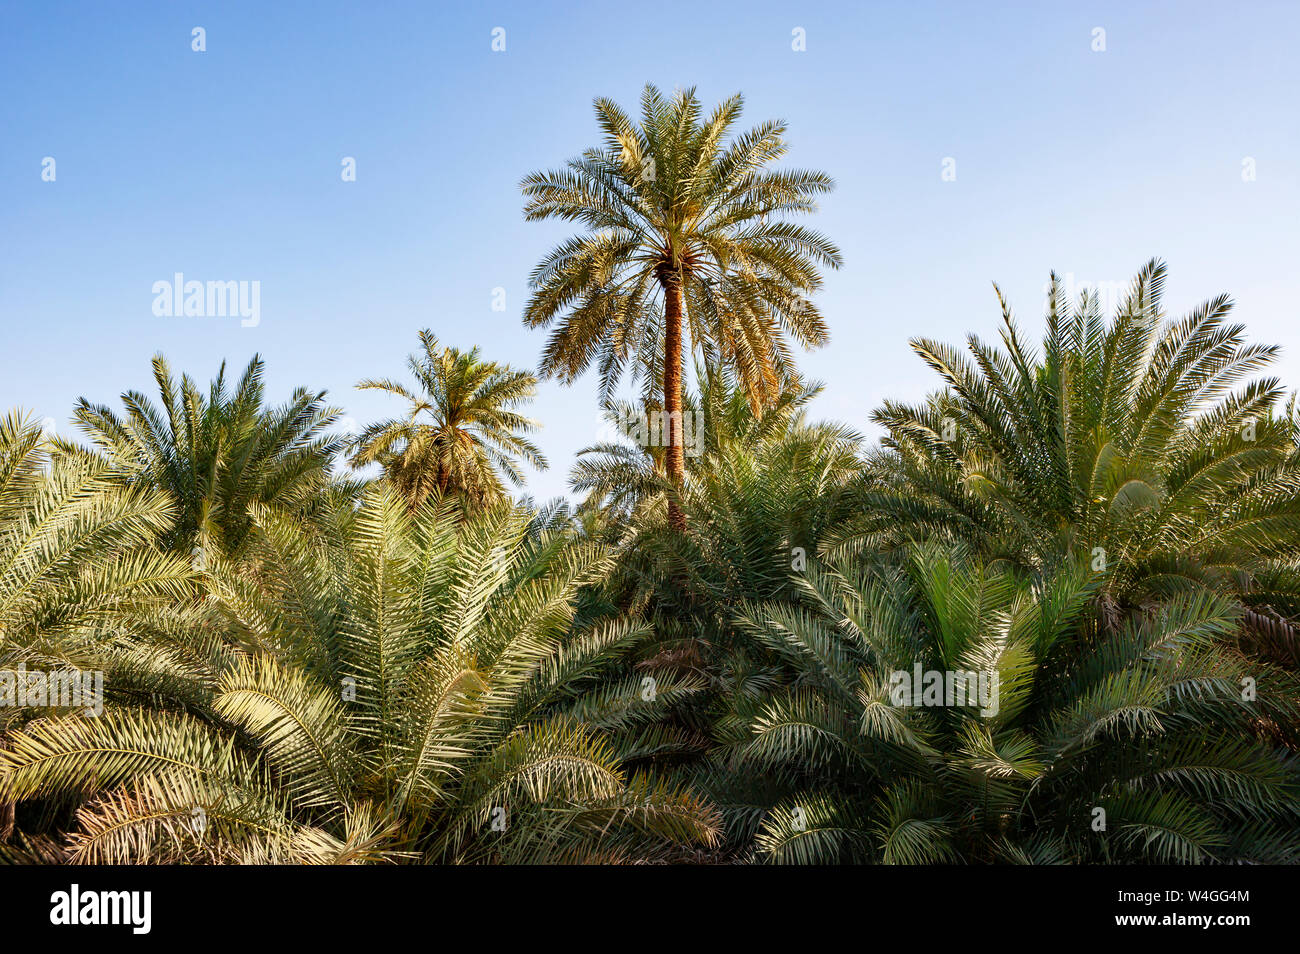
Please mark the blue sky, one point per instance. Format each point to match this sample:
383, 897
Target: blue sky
225, 165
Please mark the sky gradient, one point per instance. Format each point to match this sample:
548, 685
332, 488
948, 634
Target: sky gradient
225, 165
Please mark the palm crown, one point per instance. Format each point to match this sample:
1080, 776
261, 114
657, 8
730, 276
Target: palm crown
216, 454
1137, 444
76, 547
687, 244
461, 431
1128, 743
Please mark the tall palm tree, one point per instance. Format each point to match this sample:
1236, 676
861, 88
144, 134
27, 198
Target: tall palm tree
217, 454
687, 244
387, 686
461, 430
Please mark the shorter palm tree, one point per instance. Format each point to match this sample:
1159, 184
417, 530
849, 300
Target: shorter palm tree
461, 432
76, 560
1141, 440
217, 454
759, 498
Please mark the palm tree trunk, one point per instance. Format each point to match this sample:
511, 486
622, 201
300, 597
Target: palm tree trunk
676, 461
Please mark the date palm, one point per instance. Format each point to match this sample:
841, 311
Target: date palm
687, 244
461, 432
77, 558
1138, 443
219, 453
759, 498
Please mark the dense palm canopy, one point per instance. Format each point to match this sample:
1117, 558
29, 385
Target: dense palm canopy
1107, 743
461, 432
1092, 544
78, 560
688, 243
375, 685
77, 547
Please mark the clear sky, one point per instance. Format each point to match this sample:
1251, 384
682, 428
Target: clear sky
225, 165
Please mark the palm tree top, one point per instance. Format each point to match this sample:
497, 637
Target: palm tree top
671, 202
460, 430
218, 452
1137, 440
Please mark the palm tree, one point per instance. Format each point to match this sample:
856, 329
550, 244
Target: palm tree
1136, 444
217, 454
687, 244
460, 431
388, 685
759, 498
